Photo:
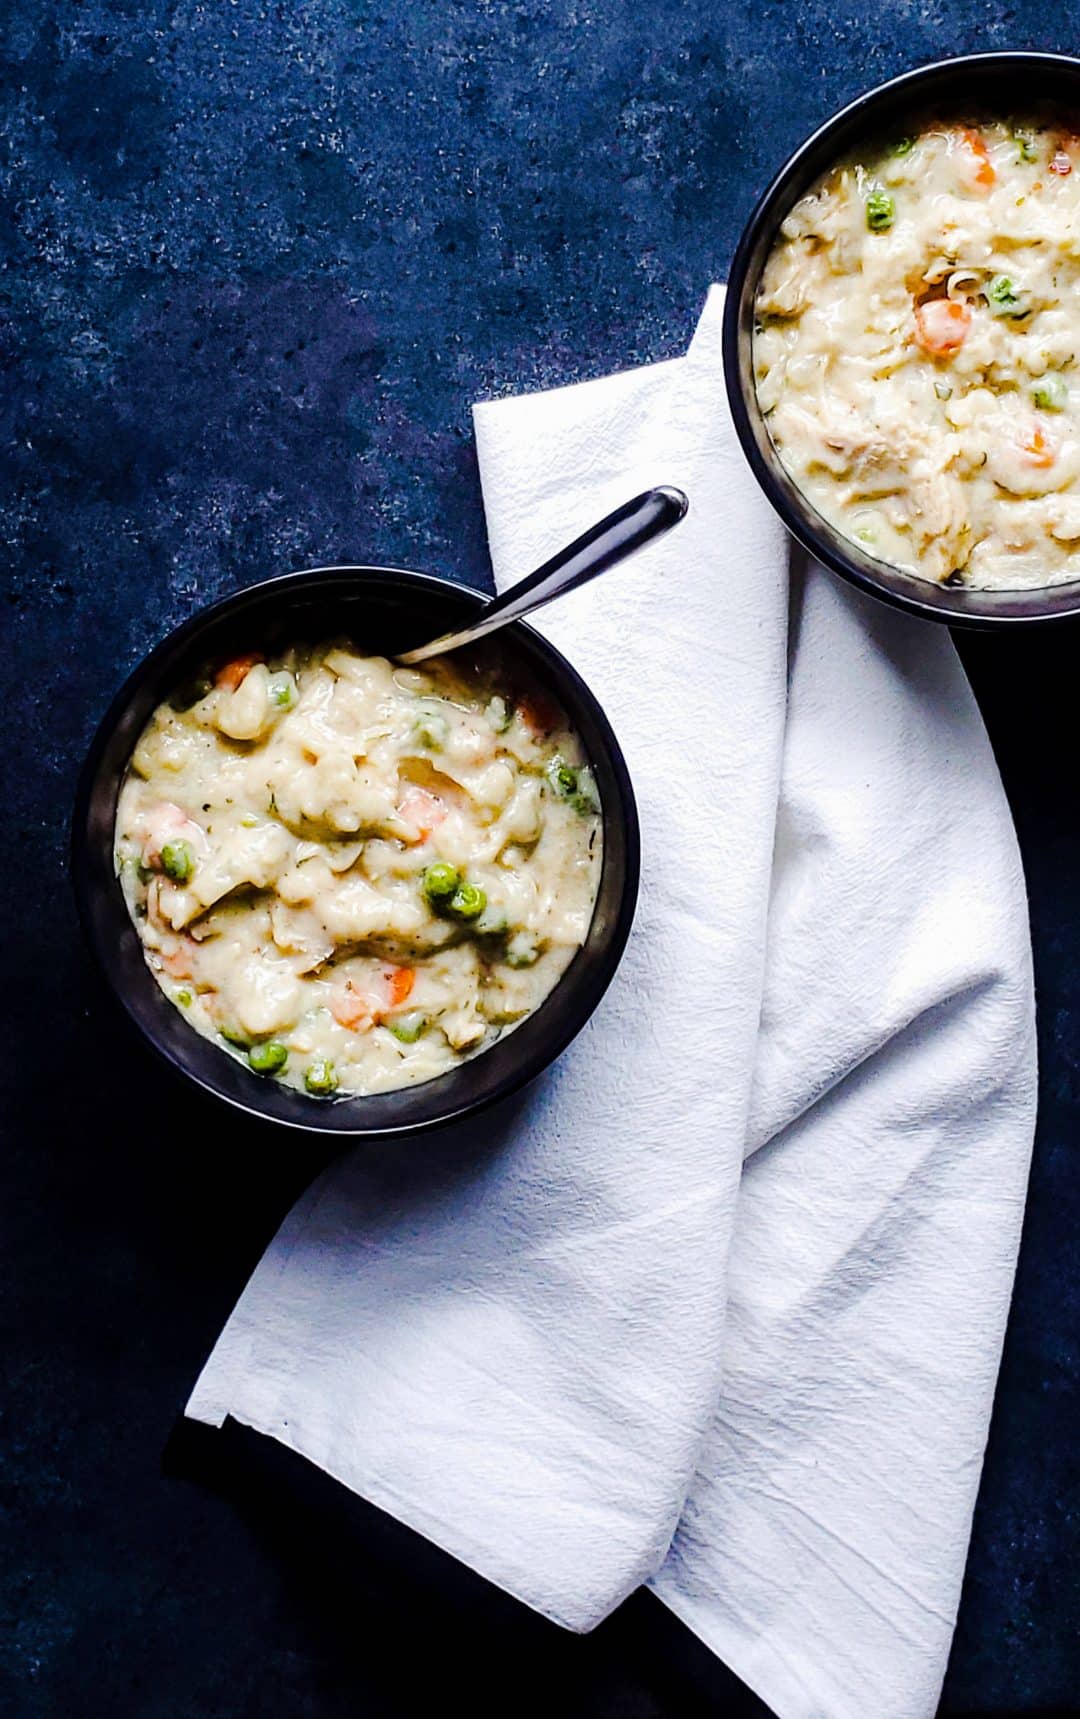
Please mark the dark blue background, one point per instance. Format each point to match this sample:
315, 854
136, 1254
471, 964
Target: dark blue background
258, 259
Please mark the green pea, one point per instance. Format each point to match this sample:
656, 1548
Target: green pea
283, 691
320, 1077
498, 713
440, 881
1025, 147
178, 861
268, 1058
1003, 297
1051, 392
408, 1027
467, 902
562, 777
432, 730
184, 998
522, 950
234, 1036
880, 211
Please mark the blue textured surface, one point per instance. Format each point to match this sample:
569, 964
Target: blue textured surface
258, 259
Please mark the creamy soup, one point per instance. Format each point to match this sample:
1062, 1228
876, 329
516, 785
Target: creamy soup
352, 875
915, 352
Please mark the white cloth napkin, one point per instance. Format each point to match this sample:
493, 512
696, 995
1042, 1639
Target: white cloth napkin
718, 1305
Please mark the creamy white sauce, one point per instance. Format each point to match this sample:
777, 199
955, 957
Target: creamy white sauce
916, 353
352, 875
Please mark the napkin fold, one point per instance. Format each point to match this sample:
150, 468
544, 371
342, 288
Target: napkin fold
717, 1304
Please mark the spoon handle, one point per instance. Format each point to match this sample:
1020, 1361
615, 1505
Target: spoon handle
628, 529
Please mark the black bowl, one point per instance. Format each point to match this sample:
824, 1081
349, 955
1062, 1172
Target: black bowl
385, 610
1006, 84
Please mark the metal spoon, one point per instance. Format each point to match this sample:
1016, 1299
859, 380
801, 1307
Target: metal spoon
628, 529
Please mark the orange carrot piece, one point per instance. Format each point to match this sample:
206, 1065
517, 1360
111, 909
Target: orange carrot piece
359, 1009
941, 326
351, 1009
401, 980
232, 674
983, 174
1038, 449
423, 809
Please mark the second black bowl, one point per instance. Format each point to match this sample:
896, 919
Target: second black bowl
1007, 84
383, 610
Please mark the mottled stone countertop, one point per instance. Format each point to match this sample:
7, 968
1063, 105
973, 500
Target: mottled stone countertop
257, 260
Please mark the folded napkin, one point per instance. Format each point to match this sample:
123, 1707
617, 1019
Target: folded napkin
718, 1304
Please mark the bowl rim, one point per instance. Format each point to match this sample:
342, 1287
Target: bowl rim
562, 1026
1034, 606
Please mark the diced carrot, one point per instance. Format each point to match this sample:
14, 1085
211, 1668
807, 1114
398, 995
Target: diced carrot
1037, 448
424, 810
941, 325
1060, 163
977, 163
351, 1008
358, 1005
401, 981
538, 713
231, 675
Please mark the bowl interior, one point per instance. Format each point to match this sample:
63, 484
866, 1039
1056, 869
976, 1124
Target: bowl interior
383, 610
1006, 84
